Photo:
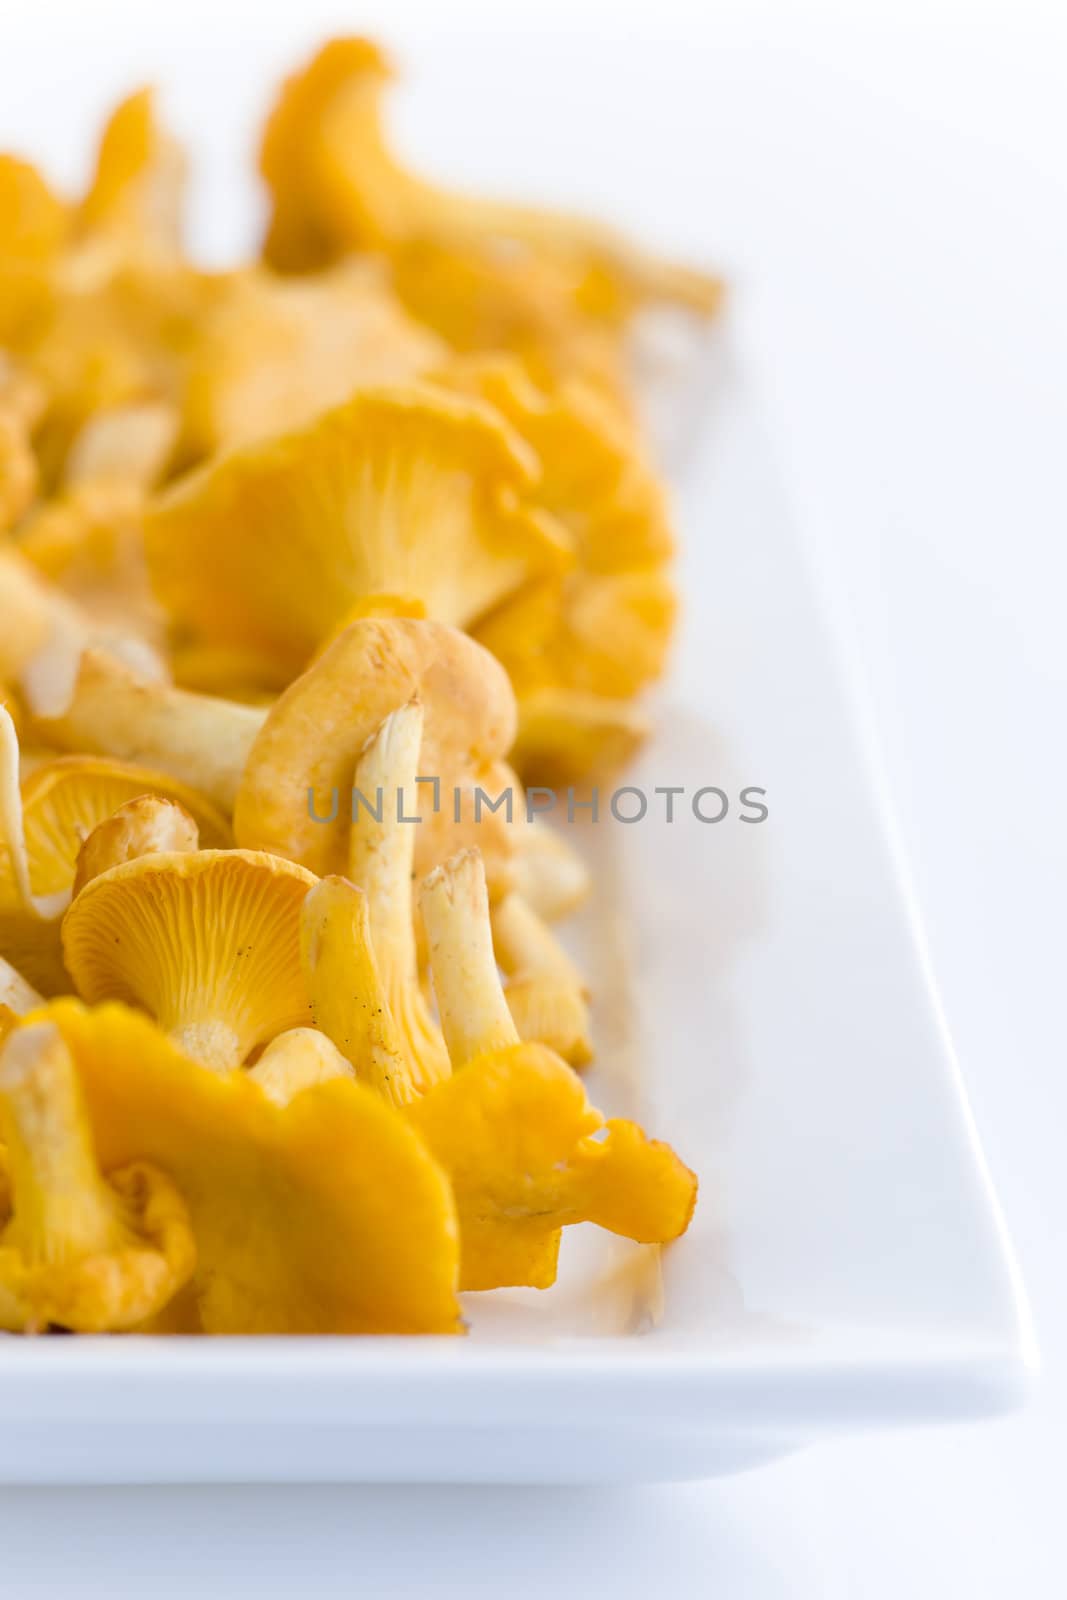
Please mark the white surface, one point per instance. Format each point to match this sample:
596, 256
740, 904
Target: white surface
887, 182
760, 1000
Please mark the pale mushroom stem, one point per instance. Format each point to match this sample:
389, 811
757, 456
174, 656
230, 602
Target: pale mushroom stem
381, 854
143, 826
524, 943
455, 910
296, 1060
114, 711
210, 1041
63, 1208
348, 999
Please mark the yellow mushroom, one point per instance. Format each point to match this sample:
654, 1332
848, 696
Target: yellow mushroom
287, 771
21, 403
324, 1215
579, 642
78, 1250
407, 490
134, 202
525, 1151
272, 353
207, 942
147, 825
300, 768
43, 824
336, 186
546, 994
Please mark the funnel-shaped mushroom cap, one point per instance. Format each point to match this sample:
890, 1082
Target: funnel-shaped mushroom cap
42, 828
272, 353
595, 473
301, 767
336, 186
77, 1251
208, 943
512, 1127
409, 491
134, 202
326, 1215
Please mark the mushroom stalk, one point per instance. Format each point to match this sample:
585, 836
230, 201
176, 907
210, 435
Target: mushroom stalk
381, 861
63, 1208
297, 1060
455, 910
348, 999
196, 737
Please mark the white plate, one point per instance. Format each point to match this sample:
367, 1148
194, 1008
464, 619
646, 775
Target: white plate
765, 1003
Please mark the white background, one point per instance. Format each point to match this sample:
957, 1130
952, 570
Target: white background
885, 185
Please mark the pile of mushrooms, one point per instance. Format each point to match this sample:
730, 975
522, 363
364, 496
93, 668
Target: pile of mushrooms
361, 532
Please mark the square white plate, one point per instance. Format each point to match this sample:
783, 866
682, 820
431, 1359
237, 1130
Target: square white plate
765, 1003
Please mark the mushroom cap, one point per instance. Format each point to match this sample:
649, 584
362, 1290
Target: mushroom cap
513, 1131
274, 352
323, 1216
76, 1250
207, 941
135, 197
66, 798
406, 490
113, 1290
595, 473
315, 732
336, 186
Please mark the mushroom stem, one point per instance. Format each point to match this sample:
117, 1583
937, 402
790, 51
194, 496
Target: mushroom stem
210, 1041
348, 999
455, 911
298, 1060
525, 944
381, 854
143, 826
63, 1209
381, 861
113, 711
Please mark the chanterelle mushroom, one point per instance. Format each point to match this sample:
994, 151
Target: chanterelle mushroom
287, 771
206, 941
323, 1215
409, 490
336, 186
512, 1126
43, 824
78, 1250
272, 353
